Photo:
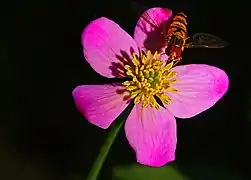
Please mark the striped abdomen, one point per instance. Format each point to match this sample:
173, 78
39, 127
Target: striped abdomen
177, 35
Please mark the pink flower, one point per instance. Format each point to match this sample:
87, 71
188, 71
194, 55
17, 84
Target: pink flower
184, 90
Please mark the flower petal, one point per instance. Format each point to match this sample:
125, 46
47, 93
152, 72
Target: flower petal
106, 45
152, 135
151, 28
200, 87
100, 104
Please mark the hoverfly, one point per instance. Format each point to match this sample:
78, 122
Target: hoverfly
177, 39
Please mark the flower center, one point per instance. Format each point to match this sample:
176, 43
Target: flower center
150, 80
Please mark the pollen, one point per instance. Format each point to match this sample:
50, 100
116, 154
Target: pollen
150, 79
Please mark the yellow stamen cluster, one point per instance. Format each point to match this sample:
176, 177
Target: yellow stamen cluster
150, 79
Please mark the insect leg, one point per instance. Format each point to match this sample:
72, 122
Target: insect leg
176, 61
174, 58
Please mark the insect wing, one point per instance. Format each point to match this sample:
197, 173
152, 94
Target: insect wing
147, 18
154, 19
205, 40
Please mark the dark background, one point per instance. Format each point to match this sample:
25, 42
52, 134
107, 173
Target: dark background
42, 134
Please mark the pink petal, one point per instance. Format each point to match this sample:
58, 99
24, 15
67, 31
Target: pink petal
152, 135
100, 104
150, 28
106, 45
200, 86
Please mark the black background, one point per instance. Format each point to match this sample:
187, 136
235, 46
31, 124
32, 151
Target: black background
44, 136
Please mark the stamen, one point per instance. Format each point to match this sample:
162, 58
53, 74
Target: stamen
149, 79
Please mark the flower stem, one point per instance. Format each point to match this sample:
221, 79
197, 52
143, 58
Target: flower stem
93, 175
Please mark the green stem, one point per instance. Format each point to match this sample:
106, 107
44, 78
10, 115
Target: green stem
93, 175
